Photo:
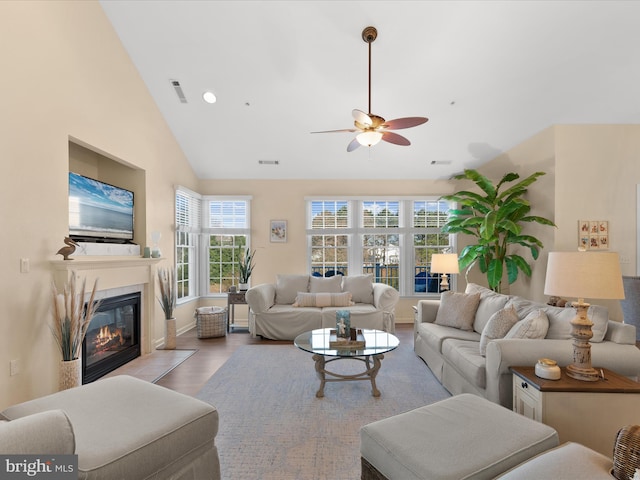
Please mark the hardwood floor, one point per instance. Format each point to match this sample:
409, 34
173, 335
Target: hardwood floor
210, 354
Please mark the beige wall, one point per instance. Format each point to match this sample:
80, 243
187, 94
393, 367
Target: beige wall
65, 76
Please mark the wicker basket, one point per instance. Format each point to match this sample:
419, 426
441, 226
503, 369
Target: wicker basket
626, 454
211, 322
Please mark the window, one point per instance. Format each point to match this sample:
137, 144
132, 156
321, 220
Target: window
392, 239
188, 206
228, 234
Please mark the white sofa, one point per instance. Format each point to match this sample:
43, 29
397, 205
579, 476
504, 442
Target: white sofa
300, 303
119, 427
453, 353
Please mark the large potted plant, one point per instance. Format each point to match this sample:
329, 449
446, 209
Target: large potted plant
167, 299
495, 217
70, 323
245, 268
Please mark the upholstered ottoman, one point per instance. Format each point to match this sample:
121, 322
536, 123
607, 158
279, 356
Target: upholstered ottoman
462, 437
127, 428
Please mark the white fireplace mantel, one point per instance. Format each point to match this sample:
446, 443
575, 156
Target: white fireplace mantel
115, 273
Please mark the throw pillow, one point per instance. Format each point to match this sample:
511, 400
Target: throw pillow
288, 286
304, 299
490, 303
326, 285
497, 327
457, 310
534, 325
360, 286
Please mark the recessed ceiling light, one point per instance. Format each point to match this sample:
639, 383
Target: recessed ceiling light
209, 97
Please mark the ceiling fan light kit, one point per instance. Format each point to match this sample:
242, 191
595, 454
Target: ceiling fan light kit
373, 128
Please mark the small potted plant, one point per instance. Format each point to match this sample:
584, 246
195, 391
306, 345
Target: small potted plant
245, 267
167, 299
70, 323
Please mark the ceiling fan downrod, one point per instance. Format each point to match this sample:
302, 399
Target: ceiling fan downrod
369, 34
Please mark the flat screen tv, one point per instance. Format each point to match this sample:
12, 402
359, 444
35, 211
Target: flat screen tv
99, 212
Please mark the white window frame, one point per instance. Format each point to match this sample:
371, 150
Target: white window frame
190, 225
207, 230
356, 230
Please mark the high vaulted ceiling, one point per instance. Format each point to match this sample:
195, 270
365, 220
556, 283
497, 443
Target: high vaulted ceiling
487, 74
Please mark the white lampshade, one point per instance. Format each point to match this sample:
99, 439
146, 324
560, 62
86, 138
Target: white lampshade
368, 139
584, 275
444, 263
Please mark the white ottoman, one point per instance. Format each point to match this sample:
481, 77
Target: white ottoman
462, 437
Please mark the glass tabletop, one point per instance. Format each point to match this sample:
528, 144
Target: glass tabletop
317, 341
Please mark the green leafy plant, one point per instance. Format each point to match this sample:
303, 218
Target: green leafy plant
245, 266
496, 220
70, 317
167, 298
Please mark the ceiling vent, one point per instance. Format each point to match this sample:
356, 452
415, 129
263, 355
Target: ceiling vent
269, 162
179, 92
440, 162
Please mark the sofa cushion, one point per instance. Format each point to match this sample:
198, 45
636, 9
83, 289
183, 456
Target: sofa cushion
325, 285
360, 286
362, 315
490, 303
560, 322
498, 326
457, 310
434, 335
288, 286
304, 299
465, 357
534, 325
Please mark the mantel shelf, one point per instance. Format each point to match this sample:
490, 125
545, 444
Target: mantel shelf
91, 263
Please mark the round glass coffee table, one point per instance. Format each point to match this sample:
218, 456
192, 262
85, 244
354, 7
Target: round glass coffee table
377, 343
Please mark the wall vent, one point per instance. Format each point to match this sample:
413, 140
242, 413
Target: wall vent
179, 91
269, 162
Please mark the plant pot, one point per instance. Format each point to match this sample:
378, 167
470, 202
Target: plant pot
170, 334
243, 286
70, 374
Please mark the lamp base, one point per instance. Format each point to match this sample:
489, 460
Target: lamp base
584, 374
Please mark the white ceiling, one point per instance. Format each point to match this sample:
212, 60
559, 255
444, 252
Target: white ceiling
487, 74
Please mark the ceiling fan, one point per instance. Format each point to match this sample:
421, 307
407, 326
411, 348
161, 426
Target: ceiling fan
374, 128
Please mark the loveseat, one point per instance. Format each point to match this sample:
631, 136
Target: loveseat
300, 303
119, 428
471, 340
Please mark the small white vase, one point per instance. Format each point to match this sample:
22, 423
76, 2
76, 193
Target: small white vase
70, 373
243, 286
170, 334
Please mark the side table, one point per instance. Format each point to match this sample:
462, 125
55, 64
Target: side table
590, 413
233, 299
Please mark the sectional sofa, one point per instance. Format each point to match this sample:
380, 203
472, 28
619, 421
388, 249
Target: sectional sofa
471, 340
298, 303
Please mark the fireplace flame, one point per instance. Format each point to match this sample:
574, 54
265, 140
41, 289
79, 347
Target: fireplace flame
107, 338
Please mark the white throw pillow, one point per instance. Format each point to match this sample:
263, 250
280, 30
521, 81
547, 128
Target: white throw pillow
497, 327
534, 325
326, 285
360, 286
457, 310
490, 303
288, 286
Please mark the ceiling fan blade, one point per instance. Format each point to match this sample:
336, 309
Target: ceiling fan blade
395, 138
334, 131
406, 122
361, 117
353, 145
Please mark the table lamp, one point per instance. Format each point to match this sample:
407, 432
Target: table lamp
444, 263
583, 275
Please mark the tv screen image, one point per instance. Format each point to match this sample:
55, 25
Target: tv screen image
99, 211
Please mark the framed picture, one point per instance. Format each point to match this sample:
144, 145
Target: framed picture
593, 235
278, 231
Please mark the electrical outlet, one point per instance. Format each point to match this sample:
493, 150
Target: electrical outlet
24, 265
625, 260
14, 367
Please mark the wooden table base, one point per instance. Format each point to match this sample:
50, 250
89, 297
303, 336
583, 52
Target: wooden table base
372, 364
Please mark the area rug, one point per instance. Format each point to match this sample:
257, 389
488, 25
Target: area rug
273, 427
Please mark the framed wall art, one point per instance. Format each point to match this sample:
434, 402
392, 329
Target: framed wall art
593, 235
278, 231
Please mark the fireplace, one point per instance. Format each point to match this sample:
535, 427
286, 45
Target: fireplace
113, 336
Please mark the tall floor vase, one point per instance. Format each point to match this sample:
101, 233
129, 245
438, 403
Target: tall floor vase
170, 334
70, 373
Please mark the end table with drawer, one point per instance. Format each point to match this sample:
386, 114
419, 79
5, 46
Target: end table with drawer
233, 299
590, 413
